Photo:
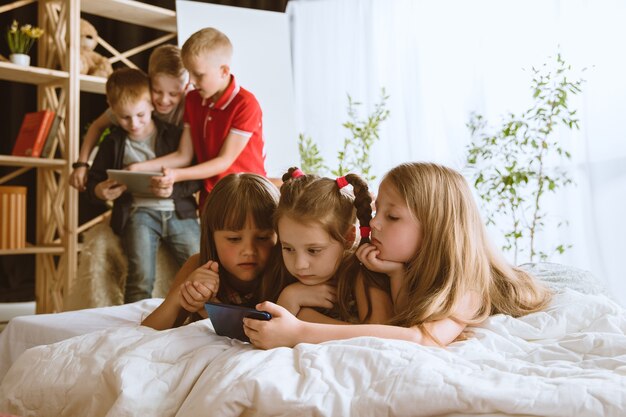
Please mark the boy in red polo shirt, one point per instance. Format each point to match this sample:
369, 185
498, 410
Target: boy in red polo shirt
223, 127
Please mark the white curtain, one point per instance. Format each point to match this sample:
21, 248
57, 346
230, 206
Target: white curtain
440, 60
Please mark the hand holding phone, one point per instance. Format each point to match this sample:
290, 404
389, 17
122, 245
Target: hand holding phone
228, 319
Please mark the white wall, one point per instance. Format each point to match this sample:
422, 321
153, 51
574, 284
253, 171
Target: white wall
262, 65
439, 60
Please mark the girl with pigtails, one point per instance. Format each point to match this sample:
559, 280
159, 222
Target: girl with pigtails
315, 274
428, 240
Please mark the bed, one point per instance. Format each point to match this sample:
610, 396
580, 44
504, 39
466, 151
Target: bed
569, 360
25, 332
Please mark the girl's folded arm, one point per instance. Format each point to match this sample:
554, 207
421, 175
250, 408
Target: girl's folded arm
317, 332
446, 331
313, 316
284, 329
170, 314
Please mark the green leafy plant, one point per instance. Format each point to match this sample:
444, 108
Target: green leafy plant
21, 39
514, 166
354, 155
310, 159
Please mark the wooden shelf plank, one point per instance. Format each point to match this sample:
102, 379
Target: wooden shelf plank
33, 250
92, 84
30, 75
26, 161
134, 12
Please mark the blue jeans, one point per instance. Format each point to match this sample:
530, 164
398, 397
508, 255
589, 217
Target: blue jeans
145, 229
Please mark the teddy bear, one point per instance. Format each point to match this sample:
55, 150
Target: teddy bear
91, 62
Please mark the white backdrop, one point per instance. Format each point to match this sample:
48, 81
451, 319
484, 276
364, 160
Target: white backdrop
262, 65
439, 60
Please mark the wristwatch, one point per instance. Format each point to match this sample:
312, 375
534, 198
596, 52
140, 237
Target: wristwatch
80, 164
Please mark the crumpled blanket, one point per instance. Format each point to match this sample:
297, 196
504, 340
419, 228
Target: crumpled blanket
569, 360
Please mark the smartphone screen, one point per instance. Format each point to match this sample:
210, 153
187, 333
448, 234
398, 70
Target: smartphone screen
227, 319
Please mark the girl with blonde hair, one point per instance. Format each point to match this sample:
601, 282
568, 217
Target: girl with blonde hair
315, 274
429, 240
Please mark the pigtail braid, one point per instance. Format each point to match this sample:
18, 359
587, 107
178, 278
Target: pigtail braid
291, 174
353, 269
362, 202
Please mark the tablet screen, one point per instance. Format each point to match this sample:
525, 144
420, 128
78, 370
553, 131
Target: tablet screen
136, 182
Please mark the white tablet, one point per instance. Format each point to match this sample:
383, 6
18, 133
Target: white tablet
136, 182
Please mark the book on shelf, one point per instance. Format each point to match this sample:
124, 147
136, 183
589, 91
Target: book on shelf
33, 133
47, 151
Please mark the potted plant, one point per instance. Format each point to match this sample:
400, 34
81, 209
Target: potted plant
514, 165
21, 40
355, 153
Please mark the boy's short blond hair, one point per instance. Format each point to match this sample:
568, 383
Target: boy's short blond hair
127, 85
166, 59
208, 41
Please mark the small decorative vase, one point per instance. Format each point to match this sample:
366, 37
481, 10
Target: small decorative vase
20, 59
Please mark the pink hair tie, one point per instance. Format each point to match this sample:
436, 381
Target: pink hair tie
297, 173
365, 231
341, 182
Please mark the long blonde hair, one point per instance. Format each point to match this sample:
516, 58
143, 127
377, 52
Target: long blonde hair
310, 199
234, 200
455, 255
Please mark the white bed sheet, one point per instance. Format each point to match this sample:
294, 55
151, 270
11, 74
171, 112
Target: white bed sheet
25, 332
569, 360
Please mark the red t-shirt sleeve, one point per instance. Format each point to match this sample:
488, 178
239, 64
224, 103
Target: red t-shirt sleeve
247, 118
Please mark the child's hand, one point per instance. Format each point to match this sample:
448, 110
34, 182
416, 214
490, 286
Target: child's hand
166, 180
298, 295
368, 255
201, 285
163, 186
109, 190
78, 178
282, 330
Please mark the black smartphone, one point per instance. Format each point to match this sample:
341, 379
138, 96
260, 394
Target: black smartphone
228, 319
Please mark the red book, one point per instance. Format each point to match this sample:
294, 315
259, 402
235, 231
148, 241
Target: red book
33, 133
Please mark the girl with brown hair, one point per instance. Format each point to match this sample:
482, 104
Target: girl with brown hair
237, 237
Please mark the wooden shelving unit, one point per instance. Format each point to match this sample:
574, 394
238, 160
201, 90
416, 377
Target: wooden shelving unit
59, 84
31, 250
129, 11
31, 75
26, 161
92, 84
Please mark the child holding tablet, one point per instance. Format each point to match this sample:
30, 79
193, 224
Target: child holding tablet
236, 241
317, 277
141, 220
168, 81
